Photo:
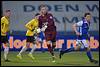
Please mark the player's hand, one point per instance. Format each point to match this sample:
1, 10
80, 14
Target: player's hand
44, 28
38, 30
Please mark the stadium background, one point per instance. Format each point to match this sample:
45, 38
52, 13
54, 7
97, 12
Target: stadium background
65, 14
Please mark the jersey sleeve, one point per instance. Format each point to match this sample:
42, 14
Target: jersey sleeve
29, 25
32, 24
3, 25
51, 20
79, 23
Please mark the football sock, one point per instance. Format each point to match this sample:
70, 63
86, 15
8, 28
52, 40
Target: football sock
50, 50
23, 49
89, 55
68, 50
33, 49
6, 50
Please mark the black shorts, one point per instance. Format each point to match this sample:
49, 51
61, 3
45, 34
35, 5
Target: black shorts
30, 39
4, 39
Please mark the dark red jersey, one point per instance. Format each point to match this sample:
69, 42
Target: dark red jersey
47, 18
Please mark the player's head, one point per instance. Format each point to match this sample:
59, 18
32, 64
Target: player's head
43, 9
7, 13
87, 16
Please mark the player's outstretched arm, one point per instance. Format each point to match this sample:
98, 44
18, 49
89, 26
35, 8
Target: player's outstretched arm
74, 28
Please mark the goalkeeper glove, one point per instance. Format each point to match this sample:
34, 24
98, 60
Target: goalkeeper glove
44, 28
38, 30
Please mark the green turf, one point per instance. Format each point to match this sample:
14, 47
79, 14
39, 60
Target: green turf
44, 59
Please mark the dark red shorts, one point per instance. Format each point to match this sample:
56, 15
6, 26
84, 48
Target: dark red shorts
50, 36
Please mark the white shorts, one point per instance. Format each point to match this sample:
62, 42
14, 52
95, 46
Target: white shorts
39, 39
83, 43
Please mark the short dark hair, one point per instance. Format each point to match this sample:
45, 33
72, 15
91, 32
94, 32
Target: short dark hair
37, 14
41, 6
86, 14
7, 10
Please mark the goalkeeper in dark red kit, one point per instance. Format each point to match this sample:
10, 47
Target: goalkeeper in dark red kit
46, 19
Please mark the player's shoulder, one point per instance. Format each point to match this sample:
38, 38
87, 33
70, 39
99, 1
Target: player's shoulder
3, 18
50, 14
79, 23
33, 20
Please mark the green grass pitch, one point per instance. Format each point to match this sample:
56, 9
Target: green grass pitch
44, 59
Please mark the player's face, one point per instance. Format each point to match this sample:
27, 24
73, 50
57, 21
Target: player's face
88, 17
8, 14
44, 10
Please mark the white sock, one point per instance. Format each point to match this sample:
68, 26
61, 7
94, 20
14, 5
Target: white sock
6, 50
23, 49
33, 48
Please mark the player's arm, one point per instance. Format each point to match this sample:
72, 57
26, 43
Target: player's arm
29, 25
74, 26
3, 24
44, 28
51, 20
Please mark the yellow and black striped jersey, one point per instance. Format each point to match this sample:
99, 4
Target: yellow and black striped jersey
4, 25
33, 24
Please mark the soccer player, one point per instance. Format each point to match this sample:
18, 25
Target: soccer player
5, 23
32, 31
82, 37
46, 18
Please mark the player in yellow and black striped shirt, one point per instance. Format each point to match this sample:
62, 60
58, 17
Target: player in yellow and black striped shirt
4, 29
32, 30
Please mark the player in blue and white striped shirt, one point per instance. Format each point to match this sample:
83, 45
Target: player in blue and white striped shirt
81, 29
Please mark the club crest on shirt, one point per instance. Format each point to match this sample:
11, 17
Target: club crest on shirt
51, 17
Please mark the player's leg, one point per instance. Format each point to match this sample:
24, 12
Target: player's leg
53, 39
33, 49
53, 47
70, 49
33, 41
5, 42
40, 40
22, 50
49, 47
24, 47
31, 52
88, 51
48, 38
